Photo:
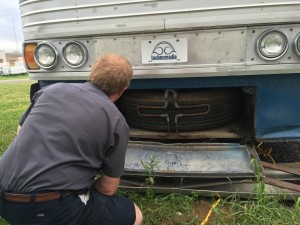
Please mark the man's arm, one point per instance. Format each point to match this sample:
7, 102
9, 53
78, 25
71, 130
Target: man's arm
106, 185
33, 95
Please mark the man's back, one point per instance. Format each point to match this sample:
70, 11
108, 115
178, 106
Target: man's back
69, 134
64, 140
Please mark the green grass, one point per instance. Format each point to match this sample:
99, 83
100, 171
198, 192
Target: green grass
168, 209
12, 77
14, 99
267, 210
163, 209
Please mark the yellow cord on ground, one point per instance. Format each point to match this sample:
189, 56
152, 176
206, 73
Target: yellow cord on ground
210, 211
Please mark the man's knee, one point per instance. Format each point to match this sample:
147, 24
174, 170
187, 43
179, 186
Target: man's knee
139, 215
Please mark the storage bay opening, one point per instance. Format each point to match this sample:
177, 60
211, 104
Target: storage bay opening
182, 115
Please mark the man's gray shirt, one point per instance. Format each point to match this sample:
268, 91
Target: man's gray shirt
71, 133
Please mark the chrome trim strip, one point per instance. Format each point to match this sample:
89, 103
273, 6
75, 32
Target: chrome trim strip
84, 6
180, 73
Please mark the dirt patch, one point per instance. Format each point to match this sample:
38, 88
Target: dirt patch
202, 208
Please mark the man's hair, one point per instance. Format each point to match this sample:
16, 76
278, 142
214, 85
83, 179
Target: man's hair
112, 73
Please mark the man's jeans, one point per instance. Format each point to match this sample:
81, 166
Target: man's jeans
71, 210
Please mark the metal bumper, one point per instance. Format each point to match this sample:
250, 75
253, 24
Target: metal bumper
208, 169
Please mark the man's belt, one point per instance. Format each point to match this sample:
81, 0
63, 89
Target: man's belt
26, 198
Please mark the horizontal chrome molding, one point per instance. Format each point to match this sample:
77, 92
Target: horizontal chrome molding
180, 73
70, 18
188, 10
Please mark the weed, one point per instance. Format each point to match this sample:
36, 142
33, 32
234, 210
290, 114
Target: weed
260, 187
149, 168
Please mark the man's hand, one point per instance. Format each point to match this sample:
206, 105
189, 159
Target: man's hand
106, 185
18, 129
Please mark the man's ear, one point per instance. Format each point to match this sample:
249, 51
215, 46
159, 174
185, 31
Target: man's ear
116, 96
123, 90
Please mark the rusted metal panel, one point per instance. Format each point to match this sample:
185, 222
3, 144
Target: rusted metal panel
281, 168
282, 184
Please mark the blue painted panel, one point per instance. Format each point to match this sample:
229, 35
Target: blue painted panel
278, 112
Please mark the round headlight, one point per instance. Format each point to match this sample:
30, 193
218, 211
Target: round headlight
74, 54
272, 44
45, 55
297, 44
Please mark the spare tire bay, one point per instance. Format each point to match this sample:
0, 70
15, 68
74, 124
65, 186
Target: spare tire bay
181, 113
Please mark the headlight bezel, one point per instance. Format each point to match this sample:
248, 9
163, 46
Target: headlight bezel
84, 51
263, 36
297, 44
36, 58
